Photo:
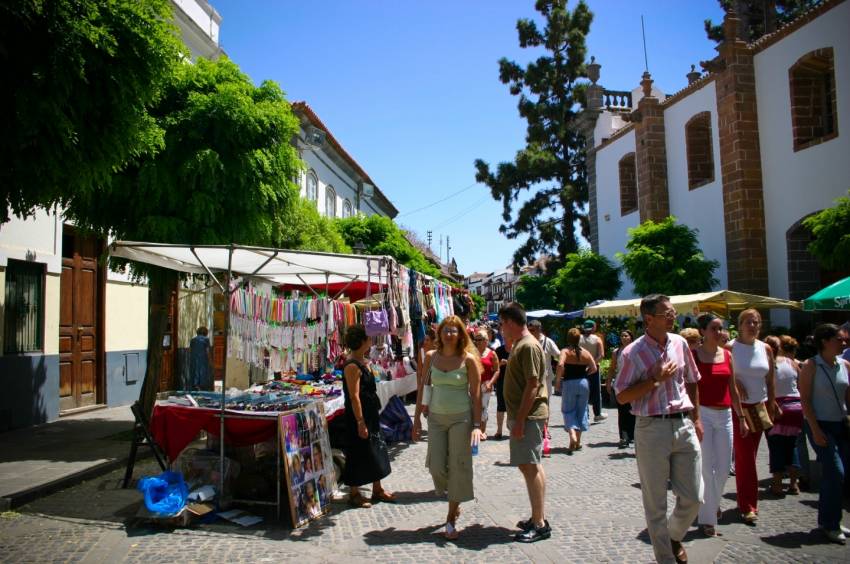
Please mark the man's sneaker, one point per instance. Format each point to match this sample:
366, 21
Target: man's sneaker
600, 417
535, 533
836, 537
844, 529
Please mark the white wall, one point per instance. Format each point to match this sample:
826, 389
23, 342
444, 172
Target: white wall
613, 227
797, 184
331, 175
701, 208
199, 25
606, 124
36, 239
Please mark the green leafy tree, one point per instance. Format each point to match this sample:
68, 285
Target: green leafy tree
80, 76
533, 292
381, 236
585, 277
831, 230
304, 228
665, 257
552, 166
759, 17
222, 175
480, 305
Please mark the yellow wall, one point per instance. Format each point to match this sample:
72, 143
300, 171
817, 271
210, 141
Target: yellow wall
51, 313
126, 317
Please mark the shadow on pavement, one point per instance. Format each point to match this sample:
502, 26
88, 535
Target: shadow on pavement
796, 539
606, 444
621, 455
473, 537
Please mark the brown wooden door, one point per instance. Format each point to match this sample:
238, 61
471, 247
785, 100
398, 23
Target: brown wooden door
80, 287
169, 347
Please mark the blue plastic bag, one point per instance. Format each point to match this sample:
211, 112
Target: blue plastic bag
165, 494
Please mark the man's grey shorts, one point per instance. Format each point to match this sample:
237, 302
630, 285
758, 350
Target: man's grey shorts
529, 450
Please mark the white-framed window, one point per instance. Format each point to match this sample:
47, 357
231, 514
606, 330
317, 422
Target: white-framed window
330, 202
312, 186
346, 208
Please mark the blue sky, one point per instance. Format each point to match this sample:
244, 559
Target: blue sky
411, 89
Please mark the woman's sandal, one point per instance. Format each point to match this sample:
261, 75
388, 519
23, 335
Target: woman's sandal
777, 491
383, 496
358, 501
451, 526
793, 490
708, 530
679, 552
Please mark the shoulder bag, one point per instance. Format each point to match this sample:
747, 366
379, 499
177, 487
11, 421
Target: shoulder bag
835, 393
376, 322
757, 417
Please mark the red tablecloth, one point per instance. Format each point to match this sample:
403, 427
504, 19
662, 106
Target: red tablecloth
173, 427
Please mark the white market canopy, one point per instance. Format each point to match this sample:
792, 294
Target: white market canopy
277, 266
720, 302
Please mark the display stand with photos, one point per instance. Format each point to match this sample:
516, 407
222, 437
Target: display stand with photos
306, 450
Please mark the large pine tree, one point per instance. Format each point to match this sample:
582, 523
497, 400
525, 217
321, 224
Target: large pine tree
759, 17
552, 164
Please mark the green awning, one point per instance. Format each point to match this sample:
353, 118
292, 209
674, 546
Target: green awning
833, 297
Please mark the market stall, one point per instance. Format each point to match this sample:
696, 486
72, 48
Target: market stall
835, 297
721, 302
296, 338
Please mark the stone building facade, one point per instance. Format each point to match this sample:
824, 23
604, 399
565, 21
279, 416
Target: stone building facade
743, 153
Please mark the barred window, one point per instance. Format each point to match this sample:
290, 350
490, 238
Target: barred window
628, 184
699, 150
23, 323
814, 118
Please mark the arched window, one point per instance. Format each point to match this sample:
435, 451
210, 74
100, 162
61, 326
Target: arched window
814, 118
628, 184
699, 150
312, 186
330, 202
346, 208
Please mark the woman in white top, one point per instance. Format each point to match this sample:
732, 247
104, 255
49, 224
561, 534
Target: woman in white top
753, 362
782, 437
825, 393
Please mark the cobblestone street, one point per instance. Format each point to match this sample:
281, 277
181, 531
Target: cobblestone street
593, 503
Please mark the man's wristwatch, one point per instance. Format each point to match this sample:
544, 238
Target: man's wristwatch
476, 425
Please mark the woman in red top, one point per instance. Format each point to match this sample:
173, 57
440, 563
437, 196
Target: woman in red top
717, 394
490, 362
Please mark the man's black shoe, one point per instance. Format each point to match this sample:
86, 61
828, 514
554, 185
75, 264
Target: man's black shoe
526, 525
535, 534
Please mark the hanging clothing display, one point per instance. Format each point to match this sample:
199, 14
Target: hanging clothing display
288, 335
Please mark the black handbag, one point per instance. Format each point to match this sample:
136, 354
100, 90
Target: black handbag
379, 453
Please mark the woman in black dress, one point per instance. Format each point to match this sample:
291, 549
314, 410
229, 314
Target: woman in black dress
366, 456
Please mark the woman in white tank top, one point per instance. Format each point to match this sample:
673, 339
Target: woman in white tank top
754, 367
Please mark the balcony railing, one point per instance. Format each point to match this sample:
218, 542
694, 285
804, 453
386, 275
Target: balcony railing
616, 99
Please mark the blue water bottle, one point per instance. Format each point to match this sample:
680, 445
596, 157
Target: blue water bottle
475, 449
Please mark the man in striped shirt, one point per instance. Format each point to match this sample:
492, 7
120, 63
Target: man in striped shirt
658, 376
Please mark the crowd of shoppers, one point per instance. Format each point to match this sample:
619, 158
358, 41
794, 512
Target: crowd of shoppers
694, 404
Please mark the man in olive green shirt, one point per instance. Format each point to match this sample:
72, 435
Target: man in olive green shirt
528, 409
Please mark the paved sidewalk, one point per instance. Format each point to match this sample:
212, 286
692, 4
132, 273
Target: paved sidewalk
593, 503
43, 459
